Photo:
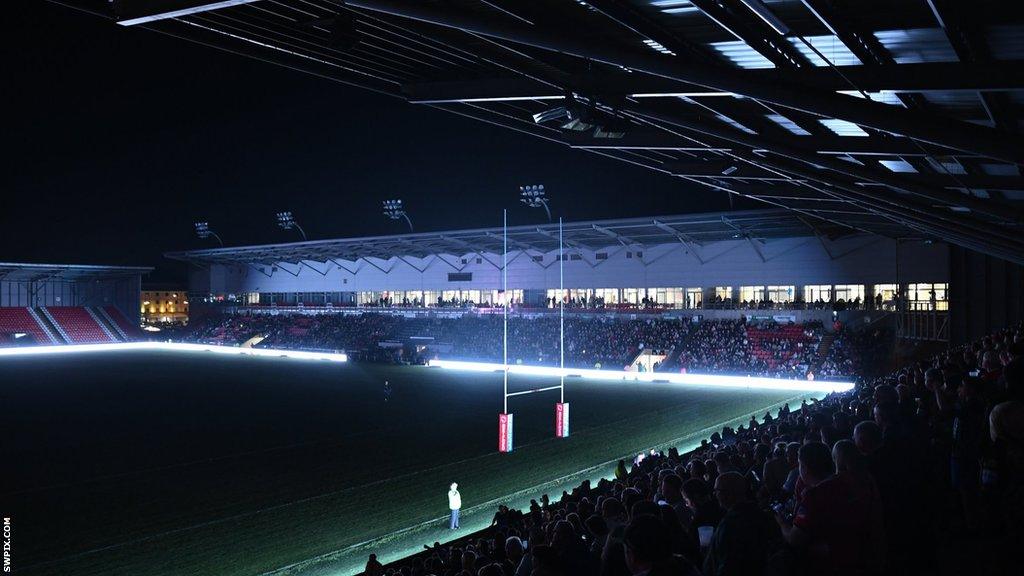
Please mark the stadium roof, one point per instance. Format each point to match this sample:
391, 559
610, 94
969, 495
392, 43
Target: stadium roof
690, 229
18, 272
890, 113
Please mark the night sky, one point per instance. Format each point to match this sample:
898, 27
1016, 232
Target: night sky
117, 140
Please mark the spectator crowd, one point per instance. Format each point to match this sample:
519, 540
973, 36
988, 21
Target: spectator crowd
920, 471
710, 346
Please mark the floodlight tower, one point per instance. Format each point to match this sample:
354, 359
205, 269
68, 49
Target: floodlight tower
393, 210
286, 221
534, 197
204, 232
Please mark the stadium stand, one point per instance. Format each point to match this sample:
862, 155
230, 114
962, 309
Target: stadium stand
78, 325
66, 325
118, 323
719, 346
20, 320
59, 303
918, 471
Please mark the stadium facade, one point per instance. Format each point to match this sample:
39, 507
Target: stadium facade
681, 262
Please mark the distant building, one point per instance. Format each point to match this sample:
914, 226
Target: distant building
164, 305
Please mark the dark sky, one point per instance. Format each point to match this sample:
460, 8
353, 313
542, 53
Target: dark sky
117, 140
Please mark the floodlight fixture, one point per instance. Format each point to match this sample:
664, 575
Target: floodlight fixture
533, 196
287, 221
393, 210
203, 232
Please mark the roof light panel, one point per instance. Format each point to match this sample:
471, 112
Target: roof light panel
885, 97
842, 127
674, 6
787, 124
741, 54
658, 47
830, 46
899, 166
734, 123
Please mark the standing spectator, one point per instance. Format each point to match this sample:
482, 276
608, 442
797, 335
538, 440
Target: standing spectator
373, 567
454, 504
1006, 426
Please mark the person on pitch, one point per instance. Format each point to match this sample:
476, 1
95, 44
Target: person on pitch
387, 391
454, 504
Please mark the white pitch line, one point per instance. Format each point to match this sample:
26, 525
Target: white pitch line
721, 381
172, 347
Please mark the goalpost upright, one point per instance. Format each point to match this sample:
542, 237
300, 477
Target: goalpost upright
562, 407
504, 419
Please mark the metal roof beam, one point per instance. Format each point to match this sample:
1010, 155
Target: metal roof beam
516, 243
778, 148
924, 77
624, 240
633, 19
926, 127
772, 46
133, 12
716, 169
691, 245
862, 44
961, 228
869, 145
566, 241
966, 35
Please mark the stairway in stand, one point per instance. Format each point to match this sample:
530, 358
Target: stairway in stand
823, 348
109, 329
76, 324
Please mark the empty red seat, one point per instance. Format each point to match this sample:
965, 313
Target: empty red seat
20, 320
79, 326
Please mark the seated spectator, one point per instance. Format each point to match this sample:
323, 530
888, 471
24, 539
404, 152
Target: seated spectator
514, 552
745, 537
834, 520
648, 551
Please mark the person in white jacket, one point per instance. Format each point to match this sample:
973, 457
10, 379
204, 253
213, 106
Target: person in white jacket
454, 504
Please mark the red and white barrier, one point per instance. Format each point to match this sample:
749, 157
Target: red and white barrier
504, 432
562, 420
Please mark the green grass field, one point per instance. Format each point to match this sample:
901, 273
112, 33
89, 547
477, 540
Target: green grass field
146, 463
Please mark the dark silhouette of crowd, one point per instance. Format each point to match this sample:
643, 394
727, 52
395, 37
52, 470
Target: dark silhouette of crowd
920, 471
854, 352
709, 346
